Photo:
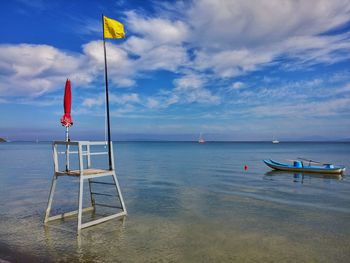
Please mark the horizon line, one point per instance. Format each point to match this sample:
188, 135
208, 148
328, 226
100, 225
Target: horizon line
196, 141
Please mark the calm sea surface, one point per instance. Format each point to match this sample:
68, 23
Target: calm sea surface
186, 203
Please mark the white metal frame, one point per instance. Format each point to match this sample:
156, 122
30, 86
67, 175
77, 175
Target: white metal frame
83, 174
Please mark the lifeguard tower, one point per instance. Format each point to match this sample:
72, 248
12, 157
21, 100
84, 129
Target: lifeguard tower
84, 151
81, 167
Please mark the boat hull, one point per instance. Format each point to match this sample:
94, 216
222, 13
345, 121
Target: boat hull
309, 169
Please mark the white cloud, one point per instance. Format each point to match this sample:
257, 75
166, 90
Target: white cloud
236, 37
162, 100
318, 97
305, 110
230, 63
237, 85
125, 98
190, 88
163, 58
121, 69
343, 89
158, 30
189, 82
96, 101
138, 46
306, 51
121, 99
120, 112
237, 24
152, 103
158, 43
32, 70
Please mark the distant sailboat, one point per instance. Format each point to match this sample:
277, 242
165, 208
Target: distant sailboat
274, 140
201, 139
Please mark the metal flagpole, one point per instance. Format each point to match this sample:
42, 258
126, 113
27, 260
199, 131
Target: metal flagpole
107, 98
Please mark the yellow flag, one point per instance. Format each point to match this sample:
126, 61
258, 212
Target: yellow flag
112, 28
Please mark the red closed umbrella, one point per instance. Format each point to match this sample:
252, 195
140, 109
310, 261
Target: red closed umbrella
66, 119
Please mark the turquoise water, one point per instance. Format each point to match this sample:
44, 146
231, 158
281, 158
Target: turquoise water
186, 202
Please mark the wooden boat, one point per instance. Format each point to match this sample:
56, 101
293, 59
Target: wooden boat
300, 166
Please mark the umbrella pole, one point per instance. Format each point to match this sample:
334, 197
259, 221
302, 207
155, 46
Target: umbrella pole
67, 148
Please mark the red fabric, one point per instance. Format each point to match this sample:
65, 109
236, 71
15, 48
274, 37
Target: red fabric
66, 119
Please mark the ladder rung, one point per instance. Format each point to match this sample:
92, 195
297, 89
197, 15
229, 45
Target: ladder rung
94, 182
112, 206
93, 193
98, 153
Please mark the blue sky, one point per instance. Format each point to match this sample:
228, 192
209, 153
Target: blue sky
233, 70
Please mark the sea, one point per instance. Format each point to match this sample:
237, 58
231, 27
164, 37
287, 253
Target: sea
186, 202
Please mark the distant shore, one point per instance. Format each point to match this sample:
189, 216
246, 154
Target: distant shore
2, 140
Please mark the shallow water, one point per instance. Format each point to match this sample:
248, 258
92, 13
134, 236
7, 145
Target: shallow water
186, 203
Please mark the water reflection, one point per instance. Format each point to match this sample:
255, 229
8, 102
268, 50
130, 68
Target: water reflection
78, 248
300, 177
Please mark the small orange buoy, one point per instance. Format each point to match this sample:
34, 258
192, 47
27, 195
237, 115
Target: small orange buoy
245, 167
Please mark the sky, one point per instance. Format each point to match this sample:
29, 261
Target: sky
236, 70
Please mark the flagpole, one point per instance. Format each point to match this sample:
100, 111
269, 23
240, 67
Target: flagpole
107, 98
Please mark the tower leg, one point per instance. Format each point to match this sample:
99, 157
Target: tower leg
80, 209
119, 192
49, 203
91, 196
